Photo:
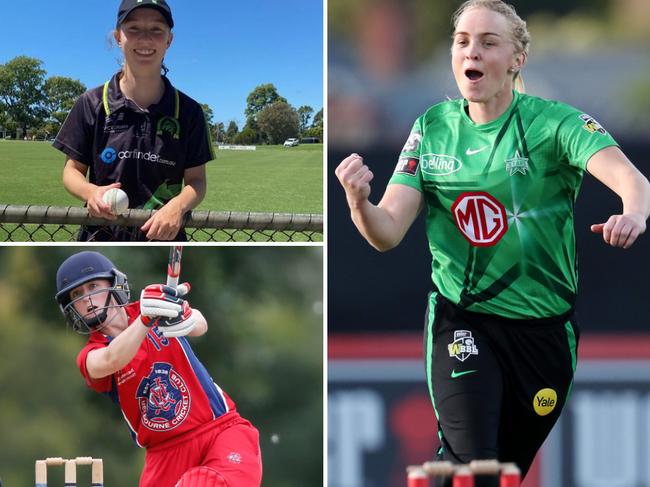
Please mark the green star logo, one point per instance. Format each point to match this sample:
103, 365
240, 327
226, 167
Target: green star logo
517, 164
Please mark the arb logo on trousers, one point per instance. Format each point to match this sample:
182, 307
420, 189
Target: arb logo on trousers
480, 217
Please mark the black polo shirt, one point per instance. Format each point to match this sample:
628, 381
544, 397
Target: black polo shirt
147, 151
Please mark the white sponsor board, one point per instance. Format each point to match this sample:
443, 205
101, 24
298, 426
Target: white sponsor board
237, 147
603, 437
601, 440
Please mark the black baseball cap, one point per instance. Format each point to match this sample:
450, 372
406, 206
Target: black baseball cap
128, 6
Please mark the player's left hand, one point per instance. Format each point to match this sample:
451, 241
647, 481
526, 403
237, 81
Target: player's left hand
162, 306
158, 300
621, 230
165, 223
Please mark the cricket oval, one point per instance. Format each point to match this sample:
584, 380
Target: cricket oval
439, 164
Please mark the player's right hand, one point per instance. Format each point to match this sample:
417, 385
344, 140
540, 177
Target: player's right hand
161, 301
179, 326
97, 206
355, 178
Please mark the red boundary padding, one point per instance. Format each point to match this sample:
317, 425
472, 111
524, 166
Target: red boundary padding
409, 346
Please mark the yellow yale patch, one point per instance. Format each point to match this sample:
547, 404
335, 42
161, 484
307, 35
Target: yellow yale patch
545, 401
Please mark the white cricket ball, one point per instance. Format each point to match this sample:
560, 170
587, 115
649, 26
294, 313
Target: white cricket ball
117, 199
275, 438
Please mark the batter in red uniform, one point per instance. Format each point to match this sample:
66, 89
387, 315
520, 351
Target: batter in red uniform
139, 355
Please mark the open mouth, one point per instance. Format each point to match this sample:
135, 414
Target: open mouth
145, 52
474, 74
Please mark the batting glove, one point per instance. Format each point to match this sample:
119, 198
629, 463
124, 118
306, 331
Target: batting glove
179, 326
158, 301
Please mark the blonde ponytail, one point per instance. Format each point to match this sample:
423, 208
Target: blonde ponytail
519, 83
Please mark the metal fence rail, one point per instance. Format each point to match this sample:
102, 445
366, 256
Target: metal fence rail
60, 224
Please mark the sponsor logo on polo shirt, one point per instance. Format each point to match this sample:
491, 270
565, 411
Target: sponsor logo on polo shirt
591, 125
480, 217
440, 164
169, 125
407, 165
413, 142
110, 155
517, 164
115, 123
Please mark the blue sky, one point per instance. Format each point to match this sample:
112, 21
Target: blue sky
222, 49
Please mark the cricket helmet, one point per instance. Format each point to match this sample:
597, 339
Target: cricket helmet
82, 268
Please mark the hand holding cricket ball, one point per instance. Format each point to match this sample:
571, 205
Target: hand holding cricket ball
117, 200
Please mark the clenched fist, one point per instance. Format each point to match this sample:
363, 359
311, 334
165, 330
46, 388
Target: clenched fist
355, 178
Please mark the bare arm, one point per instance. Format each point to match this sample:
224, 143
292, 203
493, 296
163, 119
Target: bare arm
108, 360
74, 181
194, 190
383, 225
166, 222
611, 167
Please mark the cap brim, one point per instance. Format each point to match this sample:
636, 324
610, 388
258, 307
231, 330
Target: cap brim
163, 12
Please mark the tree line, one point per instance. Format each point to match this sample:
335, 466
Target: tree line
35, 106
270, 119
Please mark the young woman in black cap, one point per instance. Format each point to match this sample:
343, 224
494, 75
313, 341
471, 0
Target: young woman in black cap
138, 133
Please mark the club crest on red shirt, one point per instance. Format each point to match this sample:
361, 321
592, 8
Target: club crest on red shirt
163, 398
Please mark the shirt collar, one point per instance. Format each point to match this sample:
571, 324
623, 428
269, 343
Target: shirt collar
494, 124
114, 99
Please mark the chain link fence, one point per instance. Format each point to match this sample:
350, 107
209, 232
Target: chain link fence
63, 224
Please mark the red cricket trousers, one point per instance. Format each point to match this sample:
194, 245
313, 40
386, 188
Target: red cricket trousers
228, 445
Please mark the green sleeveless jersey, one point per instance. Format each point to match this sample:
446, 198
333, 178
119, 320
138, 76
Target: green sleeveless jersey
499, 200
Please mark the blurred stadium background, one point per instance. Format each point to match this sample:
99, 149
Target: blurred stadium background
389, 61
264, 347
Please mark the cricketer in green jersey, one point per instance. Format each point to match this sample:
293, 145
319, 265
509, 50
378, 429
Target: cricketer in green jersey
498, 172
499, 202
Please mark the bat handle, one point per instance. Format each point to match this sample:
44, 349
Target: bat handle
174, 266
183, 289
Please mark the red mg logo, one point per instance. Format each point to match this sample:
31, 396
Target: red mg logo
480, 217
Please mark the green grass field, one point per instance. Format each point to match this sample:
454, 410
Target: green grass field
270, 179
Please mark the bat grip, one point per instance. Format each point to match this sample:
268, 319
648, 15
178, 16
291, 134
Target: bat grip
172, 281
174, 266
